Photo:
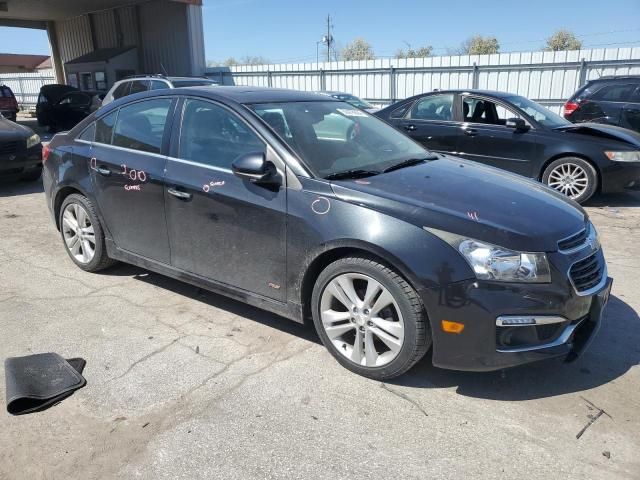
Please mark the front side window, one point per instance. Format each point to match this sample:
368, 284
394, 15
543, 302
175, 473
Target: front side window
212, 135
333, 137
433, 107
478, 110
540, 114
140, 126
104, 128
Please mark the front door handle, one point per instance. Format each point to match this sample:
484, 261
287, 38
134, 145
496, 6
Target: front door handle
179, 194
105, 172
472, 132
411, 128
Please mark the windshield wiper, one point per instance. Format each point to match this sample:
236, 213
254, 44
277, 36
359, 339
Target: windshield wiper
408, 162
353, 173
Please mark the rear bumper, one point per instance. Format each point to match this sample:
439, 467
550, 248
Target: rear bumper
478, 305
620, 176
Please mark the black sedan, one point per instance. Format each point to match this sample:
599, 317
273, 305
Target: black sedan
514, 133
20, 151
311, 208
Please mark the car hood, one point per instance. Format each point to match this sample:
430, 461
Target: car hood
12, 131
601, 130
470, 199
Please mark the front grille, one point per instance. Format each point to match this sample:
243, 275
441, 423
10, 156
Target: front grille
586, 273
7, 148
573, 241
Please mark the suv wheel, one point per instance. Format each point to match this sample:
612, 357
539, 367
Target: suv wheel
369, 318
572, 176
83, 235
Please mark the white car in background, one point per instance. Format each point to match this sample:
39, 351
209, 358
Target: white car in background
352, 99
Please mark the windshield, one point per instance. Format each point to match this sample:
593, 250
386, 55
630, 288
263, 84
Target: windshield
353, 100
332, 137
540, 114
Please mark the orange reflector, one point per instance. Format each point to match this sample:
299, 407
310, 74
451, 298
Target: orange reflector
452, 327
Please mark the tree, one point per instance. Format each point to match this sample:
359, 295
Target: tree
253, 60
359, 49
563, 40
479, 45
411, 53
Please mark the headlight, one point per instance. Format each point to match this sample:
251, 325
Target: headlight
33, 140
630, 156
491, 262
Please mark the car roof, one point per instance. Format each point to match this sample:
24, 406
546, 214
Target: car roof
257, 94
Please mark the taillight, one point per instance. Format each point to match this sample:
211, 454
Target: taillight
46, 150
570, 107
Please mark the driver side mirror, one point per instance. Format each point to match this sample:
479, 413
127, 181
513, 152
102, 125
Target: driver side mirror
518, 124
255, 168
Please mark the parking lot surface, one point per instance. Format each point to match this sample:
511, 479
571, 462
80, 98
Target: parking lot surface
183, 383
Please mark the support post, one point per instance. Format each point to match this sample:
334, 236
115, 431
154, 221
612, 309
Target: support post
475, 79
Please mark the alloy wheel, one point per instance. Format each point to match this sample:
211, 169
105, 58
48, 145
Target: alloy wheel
78, 233
362, 319
570, 179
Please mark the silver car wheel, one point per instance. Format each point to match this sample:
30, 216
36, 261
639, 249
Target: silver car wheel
570, 179
78, 233
362, 319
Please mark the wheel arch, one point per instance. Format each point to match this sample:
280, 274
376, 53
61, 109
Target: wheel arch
329, 254
60, 196
576, 155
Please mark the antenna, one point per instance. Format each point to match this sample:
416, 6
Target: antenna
164, 70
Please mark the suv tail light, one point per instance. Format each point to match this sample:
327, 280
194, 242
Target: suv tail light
46, 150
570, 107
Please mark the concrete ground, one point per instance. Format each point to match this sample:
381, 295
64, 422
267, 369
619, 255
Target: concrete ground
187, 384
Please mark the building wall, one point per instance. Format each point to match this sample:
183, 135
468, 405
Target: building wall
168, 35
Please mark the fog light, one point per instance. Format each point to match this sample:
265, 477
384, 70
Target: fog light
452, 327
525, 320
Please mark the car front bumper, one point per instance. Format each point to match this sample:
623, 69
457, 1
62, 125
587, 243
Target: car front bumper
477, 305
620, 176
20, 161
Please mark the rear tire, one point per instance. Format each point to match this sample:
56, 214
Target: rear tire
380, 334
82, 234
572, 176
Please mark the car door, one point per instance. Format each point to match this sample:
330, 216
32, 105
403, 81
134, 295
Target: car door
630, 117
430, 121
486, 139
221, 227
127, 166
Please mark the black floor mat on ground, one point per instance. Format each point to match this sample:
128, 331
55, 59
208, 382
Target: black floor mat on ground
36, 382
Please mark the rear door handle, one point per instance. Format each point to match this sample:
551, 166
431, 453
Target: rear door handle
411, 128
105, 172
472, 132
179, 194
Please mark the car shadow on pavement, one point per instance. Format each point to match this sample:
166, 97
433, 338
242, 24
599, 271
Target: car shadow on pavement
615, 350
13, 188
609, 200
215, 300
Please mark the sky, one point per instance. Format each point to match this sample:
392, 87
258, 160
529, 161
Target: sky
287, 30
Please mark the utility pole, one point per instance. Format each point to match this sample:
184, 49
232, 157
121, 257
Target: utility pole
328, 38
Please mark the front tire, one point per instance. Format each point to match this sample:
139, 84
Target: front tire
82, 234
369, 318
572, 176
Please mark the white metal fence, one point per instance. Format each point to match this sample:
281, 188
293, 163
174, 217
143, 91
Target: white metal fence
26, 86
547, 77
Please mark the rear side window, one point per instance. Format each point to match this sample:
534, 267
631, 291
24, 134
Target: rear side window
138, 86
434, 107
104, 128
400, 112
140, 126
213, 136
615, 93
88, 134
121, 90
158, 85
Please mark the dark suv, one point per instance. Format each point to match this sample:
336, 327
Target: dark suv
309, 207
612, 100
8, 103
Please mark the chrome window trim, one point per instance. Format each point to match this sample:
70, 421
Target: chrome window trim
561, 340
198, 164
538, 320
115, 147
